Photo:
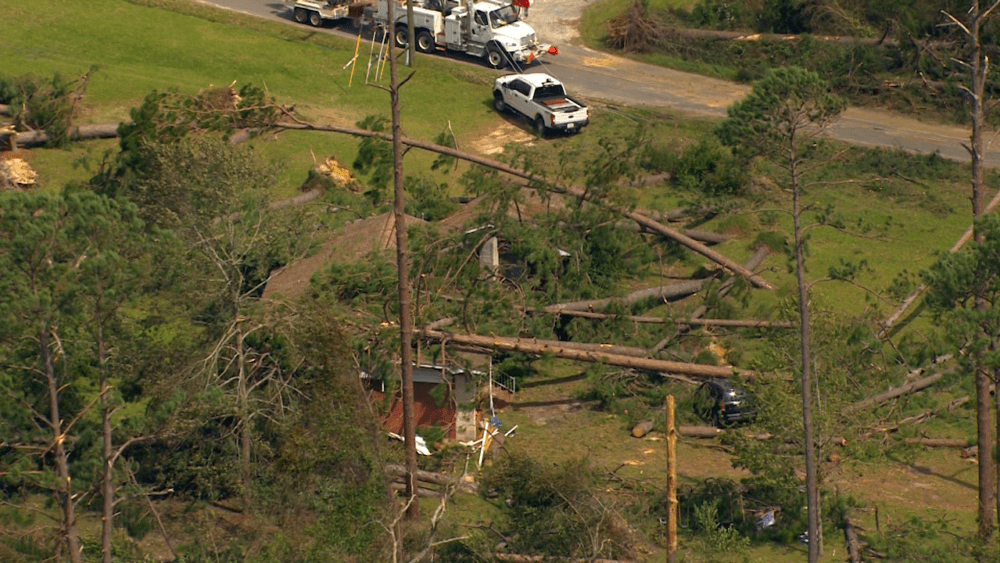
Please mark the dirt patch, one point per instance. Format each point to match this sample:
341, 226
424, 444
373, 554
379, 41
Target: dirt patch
494, 141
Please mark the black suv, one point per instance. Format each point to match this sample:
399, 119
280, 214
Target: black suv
723, 403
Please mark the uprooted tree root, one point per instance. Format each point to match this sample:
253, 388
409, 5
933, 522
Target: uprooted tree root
633, 30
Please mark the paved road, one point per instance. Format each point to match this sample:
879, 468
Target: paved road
617, 80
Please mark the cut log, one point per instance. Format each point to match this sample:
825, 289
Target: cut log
529, 346
937, 442
642, 429
83, 132
699, 431
644, 221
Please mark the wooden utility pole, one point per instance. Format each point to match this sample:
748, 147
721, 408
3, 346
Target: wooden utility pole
405, 322
671, 483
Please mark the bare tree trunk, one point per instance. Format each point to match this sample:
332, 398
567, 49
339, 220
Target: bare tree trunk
107, 454
405, 321
243, 408
978, 66
812, 489
64, 488
987, 476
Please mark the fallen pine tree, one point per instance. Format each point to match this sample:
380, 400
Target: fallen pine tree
555, 348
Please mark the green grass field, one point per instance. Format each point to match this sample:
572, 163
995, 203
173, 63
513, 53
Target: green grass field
143, 46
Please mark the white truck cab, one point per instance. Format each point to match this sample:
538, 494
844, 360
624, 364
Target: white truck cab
487, 28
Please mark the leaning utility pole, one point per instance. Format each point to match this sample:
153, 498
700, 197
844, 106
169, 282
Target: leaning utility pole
405, 322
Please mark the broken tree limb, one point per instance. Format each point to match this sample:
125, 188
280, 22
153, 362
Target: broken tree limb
966, 237
734, 323
529, 347
911, 387
937, 442
83, 132
642, 220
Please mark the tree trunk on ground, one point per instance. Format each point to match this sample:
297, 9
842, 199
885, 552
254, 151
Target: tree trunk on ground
699, 431
405, 320
527, 347
937, 442
735, 323
29, 139
661, 293
913, 387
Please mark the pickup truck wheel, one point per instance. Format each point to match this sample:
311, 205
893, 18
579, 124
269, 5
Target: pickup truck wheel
496, 57
315, 19
498, 103
301, 16
402, 36
540, 126
425, 41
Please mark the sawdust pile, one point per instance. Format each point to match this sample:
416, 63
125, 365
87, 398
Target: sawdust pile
332, 168
16, 173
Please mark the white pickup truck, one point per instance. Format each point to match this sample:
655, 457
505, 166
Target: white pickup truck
543, 100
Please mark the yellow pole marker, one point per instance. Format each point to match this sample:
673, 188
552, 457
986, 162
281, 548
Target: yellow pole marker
356, 47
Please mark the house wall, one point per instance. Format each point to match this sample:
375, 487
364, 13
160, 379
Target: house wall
426, 411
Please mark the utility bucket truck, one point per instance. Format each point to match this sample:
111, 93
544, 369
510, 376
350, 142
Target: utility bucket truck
487, 28
317, 12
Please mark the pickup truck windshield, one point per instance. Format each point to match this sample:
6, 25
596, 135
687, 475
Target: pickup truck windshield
549, 91
502, 16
